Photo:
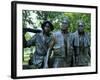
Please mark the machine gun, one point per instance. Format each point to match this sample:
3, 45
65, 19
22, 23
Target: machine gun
31, 30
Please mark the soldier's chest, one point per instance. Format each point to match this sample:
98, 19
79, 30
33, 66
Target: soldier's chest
66, 38
42, 40
46, 39
81, 40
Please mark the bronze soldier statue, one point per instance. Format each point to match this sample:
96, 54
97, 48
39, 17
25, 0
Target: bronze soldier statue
81, 45
62, 55
41, 40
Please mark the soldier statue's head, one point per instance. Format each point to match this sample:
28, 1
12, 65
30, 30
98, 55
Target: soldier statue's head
81, 25
65, 23
47, 26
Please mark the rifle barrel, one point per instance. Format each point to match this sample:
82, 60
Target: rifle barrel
31, 30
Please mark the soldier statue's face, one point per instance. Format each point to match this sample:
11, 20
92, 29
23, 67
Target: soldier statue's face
81, 27
47, 28
64, 26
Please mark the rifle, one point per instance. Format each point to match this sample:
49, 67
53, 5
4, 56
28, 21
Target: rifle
31, 30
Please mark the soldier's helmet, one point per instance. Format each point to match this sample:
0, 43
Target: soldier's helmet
65, 23
65, 20
80, 23
47, 22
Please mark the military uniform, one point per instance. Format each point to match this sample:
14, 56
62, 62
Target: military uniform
69, 50
42, 43
62, 56
81, 45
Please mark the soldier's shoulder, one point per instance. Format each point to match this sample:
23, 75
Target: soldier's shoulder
87, 33
74, 33
70, 33
38, 34
56, 32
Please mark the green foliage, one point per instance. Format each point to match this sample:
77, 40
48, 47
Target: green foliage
26, 18
27, 36
56, 17
74, 17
